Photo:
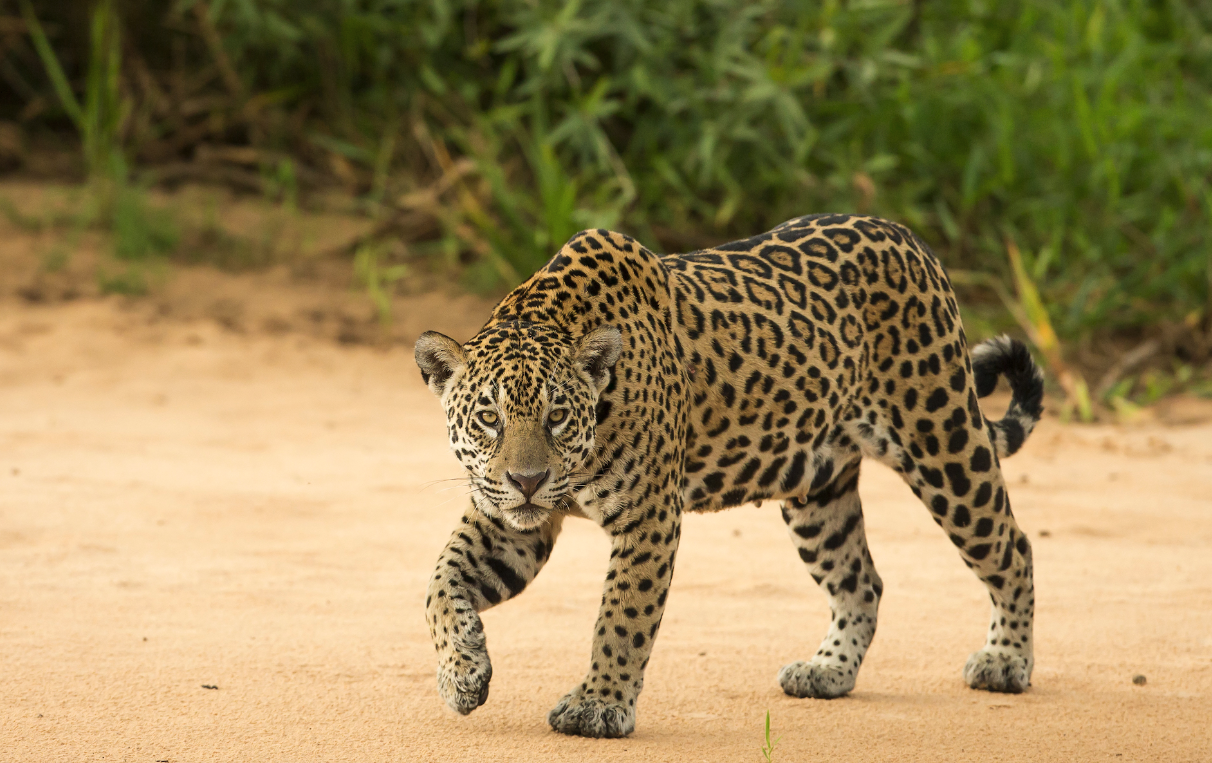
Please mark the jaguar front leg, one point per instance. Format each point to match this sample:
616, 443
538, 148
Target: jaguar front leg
484, 563
644, 542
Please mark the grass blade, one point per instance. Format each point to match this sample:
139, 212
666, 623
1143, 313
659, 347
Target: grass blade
50, 61
1039, 328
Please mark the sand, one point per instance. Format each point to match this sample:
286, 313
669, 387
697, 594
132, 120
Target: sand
214, 546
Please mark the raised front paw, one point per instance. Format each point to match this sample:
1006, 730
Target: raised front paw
813, 679
463, 680
589, 716
998, 670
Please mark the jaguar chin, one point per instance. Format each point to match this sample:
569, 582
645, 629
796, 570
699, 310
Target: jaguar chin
527, 516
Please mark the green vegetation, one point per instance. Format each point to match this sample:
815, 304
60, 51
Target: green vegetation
1074, 135
376, 278
140, 233
768, 747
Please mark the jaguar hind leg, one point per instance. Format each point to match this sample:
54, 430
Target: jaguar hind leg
826, 527
979, 522
951, 464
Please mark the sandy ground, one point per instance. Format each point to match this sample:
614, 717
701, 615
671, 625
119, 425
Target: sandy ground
184, 508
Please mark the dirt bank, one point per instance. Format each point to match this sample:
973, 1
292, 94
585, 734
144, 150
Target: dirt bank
184, 507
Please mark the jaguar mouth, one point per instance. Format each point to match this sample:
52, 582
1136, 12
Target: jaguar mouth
528, 514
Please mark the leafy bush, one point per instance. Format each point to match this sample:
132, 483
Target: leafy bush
1077, 131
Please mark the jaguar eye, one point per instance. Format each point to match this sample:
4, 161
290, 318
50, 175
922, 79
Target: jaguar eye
488, 418
556, 417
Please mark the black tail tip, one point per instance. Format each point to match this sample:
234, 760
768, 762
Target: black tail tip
1005, 356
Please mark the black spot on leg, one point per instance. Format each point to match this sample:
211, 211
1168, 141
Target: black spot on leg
490, 594
512, 580
836, 540
937, 399
958, 379
958, 441
938, 504
958, 476
933, 477
980, 552
983, 494
808, 531
981, 460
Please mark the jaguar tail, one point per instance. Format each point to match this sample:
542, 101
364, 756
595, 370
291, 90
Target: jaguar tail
1003, 356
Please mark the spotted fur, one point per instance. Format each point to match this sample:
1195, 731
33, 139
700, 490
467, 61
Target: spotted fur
626, 388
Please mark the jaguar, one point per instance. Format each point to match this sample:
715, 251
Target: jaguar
627, 388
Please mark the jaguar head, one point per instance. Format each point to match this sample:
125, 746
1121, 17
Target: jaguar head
521, 411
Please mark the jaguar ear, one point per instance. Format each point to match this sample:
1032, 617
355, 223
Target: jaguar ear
439, 358
596, 354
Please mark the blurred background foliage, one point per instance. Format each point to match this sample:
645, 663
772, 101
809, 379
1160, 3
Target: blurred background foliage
1076, 134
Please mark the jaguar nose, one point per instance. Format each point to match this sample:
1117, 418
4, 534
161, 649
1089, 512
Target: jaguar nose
528, 482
